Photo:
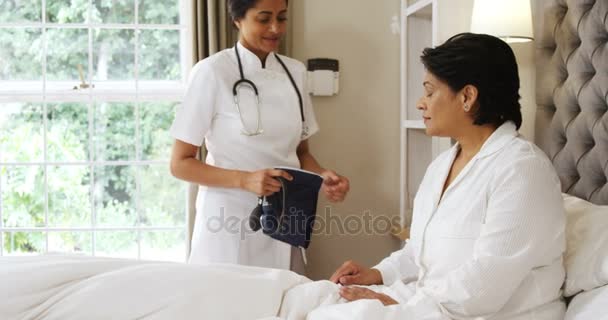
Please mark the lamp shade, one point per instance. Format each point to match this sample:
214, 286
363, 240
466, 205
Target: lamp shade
510, 20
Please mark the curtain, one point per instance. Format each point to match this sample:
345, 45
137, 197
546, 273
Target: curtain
213, 31
212, 28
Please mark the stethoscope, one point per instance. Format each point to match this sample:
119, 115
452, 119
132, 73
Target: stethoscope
245, 82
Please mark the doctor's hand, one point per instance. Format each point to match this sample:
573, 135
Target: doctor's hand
352, 273
335, 187
263, 182
358, 293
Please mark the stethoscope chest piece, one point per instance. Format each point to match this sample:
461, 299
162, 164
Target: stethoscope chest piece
235, 93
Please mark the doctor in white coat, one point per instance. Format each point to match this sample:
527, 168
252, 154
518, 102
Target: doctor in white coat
487, 233
250, 107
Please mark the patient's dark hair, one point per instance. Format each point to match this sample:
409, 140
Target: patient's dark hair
238, 8
485, 62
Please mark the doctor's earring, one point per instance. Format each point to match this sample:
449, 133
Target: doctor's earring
466, 108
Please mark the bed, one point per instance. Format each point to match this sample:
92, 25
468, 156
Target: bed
572, 128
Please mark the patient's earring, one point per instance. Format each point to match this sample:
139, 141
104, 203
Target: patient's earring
467, 108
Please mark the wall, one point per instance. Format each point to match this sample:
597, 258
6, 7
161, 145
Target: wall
359, 134
455, 16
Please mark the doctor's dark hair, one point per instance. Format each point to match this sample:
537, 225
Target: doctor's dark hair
485, 62
238, 8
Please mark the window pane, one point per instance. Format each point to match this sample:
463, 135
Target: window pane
69, 196
46, 179
23, 243
22, 196
68, 132
159, 55
71, 242
117, 244
114, 136
114, 54
21, 54
164, 245
66, 49
21, 132
159, 11
113, 11
163, 198
20, 11
115, 196
155, 122
67, 11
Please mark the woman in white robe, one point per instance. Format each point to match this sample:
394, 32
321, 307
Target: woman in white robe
487, 234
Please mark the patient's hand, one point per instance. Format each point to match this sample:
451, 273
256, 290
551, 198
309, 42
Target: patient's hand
352, 273
358, 293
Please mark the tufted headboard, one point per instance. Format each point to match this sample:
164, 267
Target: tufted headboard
571, 126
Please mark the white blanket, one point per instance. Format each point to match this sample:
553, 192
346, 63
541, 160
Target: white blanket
79, 287
320, 300
68, 287
589, 305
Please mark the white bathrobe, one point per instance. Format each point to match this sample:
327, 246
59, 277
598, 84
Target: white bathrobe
490, 247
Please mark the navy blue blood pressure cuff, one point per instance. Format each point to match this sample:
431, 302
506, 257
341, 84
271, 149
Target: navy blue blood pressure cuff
289, 215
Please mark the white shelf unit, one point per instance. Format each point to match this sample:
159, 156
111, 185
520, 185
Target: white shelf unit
413, 124
419, 29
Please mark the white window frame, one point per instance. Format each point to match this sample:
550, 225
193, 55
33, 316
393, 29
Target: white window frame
144, 91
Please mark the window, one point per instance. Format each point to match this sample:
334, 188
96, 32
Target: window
88, 90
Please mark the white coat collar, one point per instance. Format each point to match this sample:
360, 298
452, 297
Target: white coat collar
497, 141
251, 62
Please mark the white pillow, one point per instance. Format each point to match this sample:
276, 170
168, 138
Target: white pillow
586, 258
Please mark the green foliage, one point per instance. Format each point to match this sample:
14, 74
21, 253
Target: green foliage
79, 194
117, 243
20, 54
114, 131
66, 49
161, 197
115, 49
67, 11
68, 196
113, 11
158, 12
68, 139
22, 196
157, 46
20, 10
26, 242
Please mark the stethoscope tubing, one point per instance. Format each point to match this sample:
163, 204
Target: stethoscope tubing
244, 81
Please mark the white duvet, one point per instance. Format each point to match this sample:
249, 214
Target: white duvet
79, 287
589, 305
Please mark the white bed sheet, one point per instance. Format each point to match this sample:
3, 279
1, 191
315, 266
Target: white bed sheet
72, 287
589, 305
